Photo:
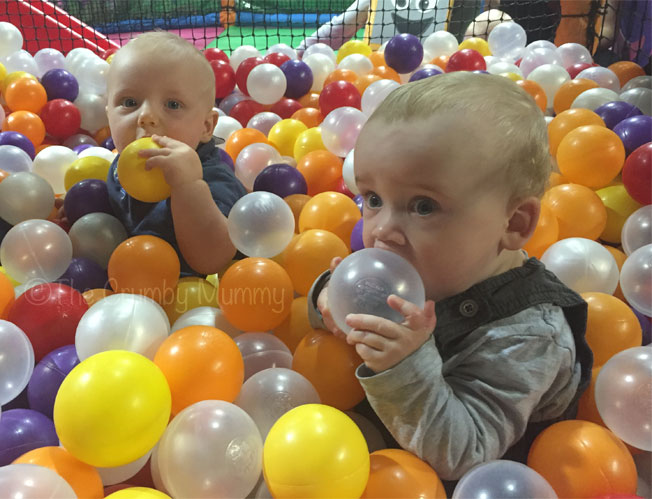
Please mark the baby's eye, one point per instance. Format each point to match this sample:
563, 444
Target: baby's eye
128, 102
173, 104
373, 201
424, 206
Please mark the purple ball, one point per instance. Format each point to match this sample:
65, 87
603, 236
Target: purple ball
18, 140
78, 139
83, 274
613, 113
86, 196
646, 326
23, 430
47, 377
299, 78
634, 132
282, 180
425, 73
108, 144
356, 237
60, 84
224, 156
404, 53
359, 201
81, 147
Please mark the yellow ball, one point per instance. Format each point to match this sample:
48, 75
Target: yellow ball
85, 168
512, 76
477, 44
315, 450
191, 292
3, 73
353, 47
112, 408
13, 281
284, 134
8, 79
308, 141
143, 185
138, 493
619, 206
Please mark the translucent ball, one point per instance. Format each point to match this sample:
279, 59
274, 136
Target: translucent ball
51, 163
348, 174
205, 316
503, 479
13, 159
376, 93
635, 278
111, 476
319, 48
358, 63
282, 48
36, 249
11, 39
91, 75
47, 59
583, 265
25, 196
29, 481
594, 98
507, 41
550, 77
261, 224
440, 43
536, 57
252, 160
362, 282
98, 152
266, 83
639, 97
340, 129
574, 53
241, 53
637, 230
231, 100
95, 236
21, 60
261, 351
122, 322
79, 139
604, 77
225, 127
210, 449
638, 82
264, 121
622, 396
321, 66
16, 361
77, 55
272, 392
92, 108
498, 66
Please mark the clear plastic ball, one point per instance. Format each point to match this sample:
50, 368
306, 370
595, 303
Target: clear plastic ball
98, 152
358, 63
225, 127
622, 396
376, 93
241, 53
637, 230
47, 59
21, 60
95, 236
534, 58
282, 48
550, 77
319, 48
348, 174
92, 108
574, 53
272, 392
321, 66
497, 66
593, 98
205, 316
231, 100
252, 160
635, 279
363, 281
266, 83
111, 476
25, 196
91, 75
51, 163
36, 249
16, 361
11, 39
639, 97
440, 43
644, 81
604, 77
261, 224
507, 41
13, 159
340, 129
264, 121
262, 351
30, 481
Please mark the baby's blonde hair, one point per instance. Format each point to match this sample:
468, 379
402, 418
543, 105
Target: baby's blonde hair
521, 139
155, 43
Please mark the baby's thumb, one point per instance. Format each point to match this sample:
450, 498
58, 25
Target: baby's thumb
335, 262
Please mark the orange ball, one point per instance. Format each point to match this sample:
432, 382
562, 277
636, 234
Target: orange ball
255, 294
626, 70
102, 134
611, 327
7, 296
83, 478
329, 363
200, 363
26, 94
545, 233
366, 80
296, 325
556, 179
242, 138
386, 73
296, 202
311, 99
377, 59
535, 90
322, 171
582, 459
309, 116
3, 175
145, 265
441, 61
92, 296
341, 75
569, 91
399, 473
587, 409
331, 211
591, 155
310, 255
27, 123
620, 258
579, 211
567, 121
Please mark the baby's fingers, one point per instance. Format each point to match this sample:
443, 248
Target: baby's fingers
415, 317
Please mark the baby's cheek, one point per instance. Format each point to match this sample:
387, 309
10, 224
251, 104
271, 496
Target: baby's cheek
367, 227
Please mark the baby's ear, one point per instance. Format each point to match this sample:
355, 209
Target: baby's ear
209, 124
522, 222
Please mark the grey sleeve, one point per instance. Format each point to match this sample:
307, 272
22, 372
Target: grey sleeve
314, 316
474, 407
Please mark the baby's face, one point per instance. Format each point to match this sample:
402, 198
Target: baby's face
152, 95
438, 203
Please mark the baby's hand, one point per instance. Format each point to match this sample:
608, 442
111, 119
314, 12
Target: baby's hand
382, 343
322, 305
179, 162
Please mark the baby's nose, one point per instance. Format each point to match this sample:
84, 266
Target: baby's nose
388, 228
147, 117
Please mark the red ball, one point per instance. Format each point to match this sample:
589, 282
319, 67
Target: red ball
637, 174
61, 118
244, 110
109, 52
48, 314
285, 108
224, 78
339, 94
276, 58
343, 189
576, 69
242, 73
215, 54
466, 60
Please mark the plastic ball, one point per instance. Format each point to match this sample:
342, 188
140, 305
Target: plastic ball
148, 186
263, 122
425, 72
299, 78
277, 58
7, 294
47, 59
626, 71
440, 43
338, 94
14, 159
51, 163
28, 481
60, 84
567, 121
593, 98
476, 43
283, 135
361, 65
16, 363
190, 293
90, 167
582, 265
404, 53
340, 129
21, 60
224, 78
10, 138
550, 77
619, 207
93, 111
25, 196
47, 377
225, 127
262, 351
352, 47
95, 236
637, 174
79, 139
11, 39
260, 224
61, 118
636, 231
466, 60
503, 479
25, 94
22, 430
285, 107
641, 98
85, 197
245, 110
321, 66
307, 142
569, 91
27, 123
266, 83
118, 474
334, 456
241, 138
84, 274
211, 449
205, 316
507, 41
281, 179
253, 159
634, 132
613, 113
292, 330
348, 173
545, 234
604, 77
144, 265
92, 296
635, 278
574, 53
331, 211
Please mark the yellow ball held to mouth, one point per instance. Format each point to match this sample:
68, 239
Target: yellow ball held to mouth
148, 186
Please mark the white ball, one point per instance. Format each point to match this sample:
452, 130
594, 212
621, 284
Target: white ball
550, 77
321, 66
92, 108
375, 93
11, 39
358, 63
47, 59
20, 60
13, 159
533, 58
602, 76
507, 41
348, 173
639, 97
98, 152
241, 53
319, 48
574, 53
266, 83
252, 160
440, 43
226, 126
51, 164
593, 98
340, 129
282, 48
